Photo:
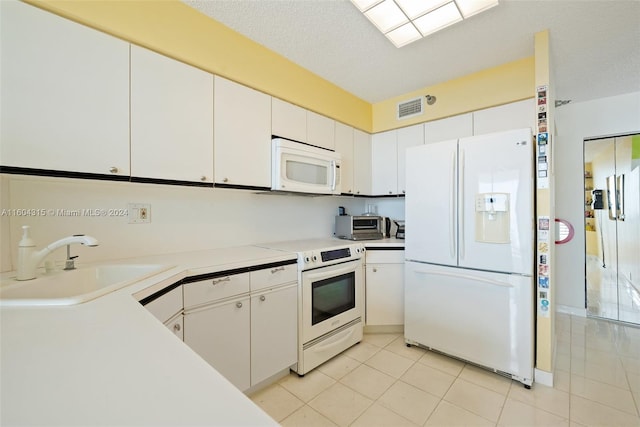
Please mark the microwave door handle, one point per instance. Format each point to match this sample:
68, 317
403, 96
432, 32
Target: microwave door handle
335, 173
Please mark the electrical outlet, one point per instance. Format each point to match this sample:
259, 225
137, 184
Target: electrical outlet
139, 213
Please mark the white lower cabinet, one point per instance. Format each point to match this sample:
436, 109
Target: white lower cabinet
168, 309
274, 331
384, 287
176, 325
244, 325
220, 335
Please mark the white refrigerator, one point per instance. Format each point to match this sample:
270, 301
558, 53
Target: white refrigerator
469, 247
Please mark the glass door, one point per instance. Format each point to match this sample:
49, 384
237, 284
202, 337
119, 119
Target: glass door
612, 227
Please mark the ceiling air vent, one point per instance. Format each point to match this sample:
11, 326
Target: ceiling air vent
410, 108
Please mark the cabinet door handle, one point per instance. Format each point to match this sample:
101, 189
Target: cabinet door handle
216, 281
262, 298
177, 327
203, 178
225, 179
275, 270
239, 304
113, 169
375, 270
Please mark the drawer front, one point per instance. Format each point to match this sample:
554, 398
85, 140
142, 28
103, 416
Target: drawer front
385, 257
167, 305
209, 290
275, 276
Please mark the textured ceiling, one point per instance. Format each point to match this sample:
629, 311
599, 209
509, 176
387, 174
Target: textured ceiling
595, 44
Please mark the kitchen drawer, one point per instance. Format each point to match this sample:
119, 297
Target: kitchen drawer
275, 276
384, 257
205, 291
166, 306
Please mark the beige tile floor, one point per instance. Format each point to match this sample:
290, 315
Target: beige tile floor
381, 382
609, 295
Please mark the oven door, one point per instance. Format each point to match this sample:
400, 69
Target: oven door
331, 297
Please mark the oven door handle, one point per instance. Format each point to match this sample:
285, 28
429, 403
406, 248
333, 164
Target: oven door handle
332, 271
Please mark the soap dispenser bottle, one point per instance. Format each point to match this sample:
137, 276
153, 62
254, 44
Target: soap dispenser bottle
26, 248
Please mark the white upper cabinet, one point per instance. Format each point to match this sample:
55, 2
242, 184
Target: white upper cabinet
242, 135
65, 94
288, 120
344, 146
296, 123
454, 127
515, 115
388, 158
384, 163
171, 119
407, 137
361, 163
320, 131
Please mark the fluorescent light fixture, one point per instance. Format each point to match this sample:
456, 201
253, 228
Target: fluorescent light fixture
405, 21
386, 16
415, 8
364, 4
404, 35
469, 8
438, 19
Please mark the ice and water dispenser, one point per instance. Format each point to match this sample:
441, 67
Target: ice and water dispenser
492, 218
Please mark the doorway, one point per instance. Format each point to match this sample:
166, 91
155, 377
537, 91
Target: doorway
612, 227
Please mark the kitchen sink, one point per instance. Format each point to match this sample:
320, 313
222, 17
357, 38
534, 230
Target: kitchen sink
75, 286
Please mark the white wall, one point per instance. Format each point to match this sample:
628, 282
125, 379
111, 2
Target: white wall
575, 122
182, 218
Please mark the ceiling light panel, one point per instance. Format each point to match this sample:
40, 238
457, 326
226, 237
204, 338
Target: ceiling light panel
386, 16
405, 21
404, 35
364, 4
438, 19
415, 8
471, 7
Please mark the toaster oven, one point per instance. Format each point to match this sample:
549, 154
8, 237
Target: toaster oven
359, 227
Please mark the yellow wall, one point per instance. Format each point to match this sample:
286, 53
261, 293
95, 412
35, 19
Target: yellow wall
174, 29
179, 31
499, 85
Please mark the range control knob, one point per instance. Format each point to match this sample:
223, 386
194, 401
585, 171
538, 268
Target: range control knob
315, 258
307, 259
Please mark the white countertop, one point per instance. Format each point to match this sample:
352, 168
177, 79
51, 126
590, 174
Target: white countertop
109, 361
390, 242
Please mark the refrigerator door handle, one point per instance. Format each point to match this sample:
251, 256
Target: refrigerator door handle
466, 276
452, 206
461, 206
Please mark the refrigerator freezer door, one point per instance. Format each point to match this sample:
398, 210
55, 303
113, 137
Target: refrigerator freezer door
430, 205
485, 318
498, 164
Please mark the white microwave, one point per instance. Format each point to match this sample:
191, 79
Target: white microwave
303, 168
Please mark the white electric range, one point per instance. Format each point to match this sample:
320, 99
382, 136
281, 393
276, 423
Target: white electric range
330, 297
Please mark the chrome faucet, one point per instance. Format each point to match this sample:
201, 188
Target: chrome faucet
29, 258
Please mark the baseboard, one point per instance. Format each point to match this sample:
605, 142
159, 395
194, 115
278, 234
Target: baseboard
543, 377
384, 329
574, 311
266, 383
